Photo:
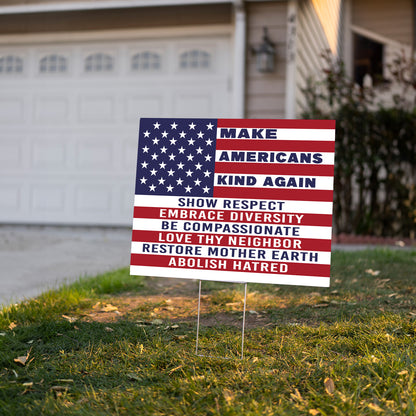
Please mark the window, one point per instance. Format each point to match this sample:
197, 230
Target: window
195, 59
11, 64
53, 64
99, 62
146, 61
368, 60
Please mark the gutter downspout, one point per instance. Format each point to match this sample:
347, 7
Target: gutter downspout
239, 61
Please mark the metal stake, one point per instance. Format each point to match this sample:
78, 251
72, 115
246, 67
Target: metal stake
199, 314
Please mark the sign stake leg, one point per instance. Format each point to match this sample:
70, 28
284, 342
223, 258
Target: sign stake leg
197, 324
244, 321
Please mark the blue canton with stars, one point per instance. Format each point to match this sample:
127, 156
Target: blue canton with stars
176, 157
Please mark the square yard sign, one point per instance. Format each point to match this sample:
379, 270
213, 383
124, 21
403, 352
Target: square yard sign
234, 200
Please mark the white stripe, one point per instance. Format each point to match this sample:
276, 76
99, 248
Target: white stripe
251, 253
296, 231
321, 182
289, 134
228, 276
327, 158
231, 204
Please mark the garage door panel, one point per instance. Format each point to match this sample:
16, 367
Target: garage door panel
52, 109
11, 110
69, 120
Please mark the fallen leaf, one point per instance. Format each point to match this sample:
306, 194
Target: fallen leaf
157, 322
22, 360
174, 326
313, 412
108, 329
329, 386
373, 272
320, 305
179, 336
402, 373
69, 318
28, 384
12, 326
59, 388
109, 308
375, 407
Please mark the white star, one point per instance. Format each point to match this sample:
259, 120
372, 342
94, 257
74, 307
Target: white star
155, 156
210, 126
173, 126
188, 189
180, 165
208, 158
181, 149
209, 142
206, 190
200, 135
161, 181
145, 149
171, 172
192, 126
199, 150
143, 180
179, 181
163, 149
147, 133
182, 134
172, 156
156, 125
169, 188
173, 141
155, 141
165, 134
189, 172
197, 182
162, 165
144, 165
198, 166
153, 172
152, 187
207, 173
190, 157
191, 142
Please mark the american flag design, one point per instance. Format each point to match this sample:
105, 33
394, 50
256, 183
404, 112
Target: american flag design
234, 200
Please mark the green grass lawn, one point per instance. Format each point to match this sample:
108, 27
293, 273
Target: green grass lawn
121, 345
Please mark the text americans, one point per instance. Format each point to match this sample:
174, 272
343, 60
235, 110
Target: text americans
270, 157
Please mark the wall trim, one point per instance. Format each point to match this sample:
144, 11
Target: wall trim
115, 34
101, 4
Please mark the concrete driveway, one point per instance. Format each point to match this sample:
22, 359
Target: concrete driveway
34, 259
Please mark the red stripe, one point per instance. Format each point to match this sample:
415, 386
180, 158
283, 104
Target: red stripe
279, 194
275, 145
276, 124
252, 217
299, 269
267, 242
244, 168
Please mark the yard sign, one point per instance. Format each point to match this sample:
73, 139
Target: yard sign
234, 200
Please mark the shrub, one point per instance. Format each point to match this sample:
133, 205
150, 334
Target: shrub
375, 150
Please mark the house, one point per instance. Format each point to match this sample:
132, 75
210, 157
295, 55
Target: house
75, 76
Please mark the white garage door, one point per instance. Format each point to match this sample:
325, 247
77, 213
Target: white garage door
69, 119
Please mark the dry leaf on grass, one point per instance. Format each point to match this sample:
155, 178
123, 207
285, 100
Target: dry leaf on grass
329, 386
314, 412
375, 407
373, 272
22, 360
108, 308
12, 326
69, 318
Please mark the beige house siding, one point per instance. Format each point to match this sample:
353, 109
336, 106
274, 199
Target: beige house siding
393, 20
313, 37
265, 93
116, 19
